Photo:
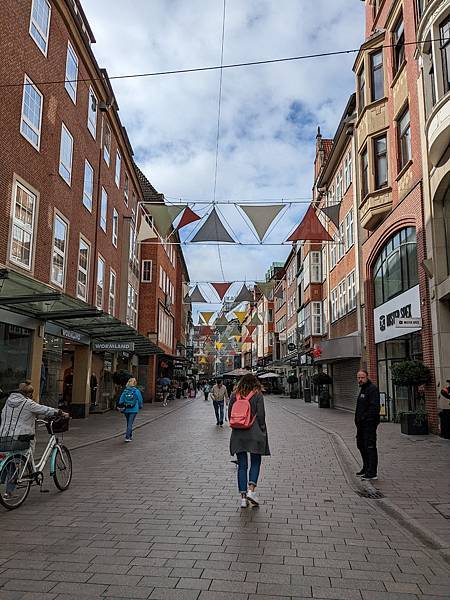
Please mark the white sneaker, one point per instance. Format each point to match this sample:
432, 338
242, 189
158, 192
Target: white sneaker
127, 440
244, 502
253, 498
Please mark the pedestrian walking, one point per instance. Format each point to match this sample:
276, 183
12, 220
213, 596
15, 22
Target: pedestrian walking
247, 418
130, 403
219, 395
367, 419
206, 390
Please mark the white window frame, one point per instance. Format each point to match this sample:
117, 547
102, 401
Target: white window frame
341, 242
28, 82
107, 147
316, 318
92, 122
25, 229
62, 165
339, 186
132, 306
333, 253
147, 267
44, 34
115, 227
126, 188
351, 291
347, 171
103, 209
118, 169
88, 199
57, 251
349, 231
112, 296
83, 270
100, 284
342, 298
334, 305
316, 266
71, 84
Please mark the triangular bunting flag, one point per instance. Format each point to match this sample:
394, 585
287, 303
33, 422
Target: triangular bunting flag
261, 217
219, 345
202, 360
310, 229
207, 315
163, 215
235, 331
146, 231
205, 329
256, 320
221, 288
245, 295
238, 338
240, 315
211, 358
222, 320
187, 218
196, 295
212, 230
332, 213
248, 340
251, 328
266, 287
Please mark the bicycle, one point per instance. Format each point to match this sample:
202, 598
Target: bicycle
18, 469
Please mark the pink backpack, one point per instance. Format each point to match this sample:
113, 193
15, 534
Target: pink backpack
241, 412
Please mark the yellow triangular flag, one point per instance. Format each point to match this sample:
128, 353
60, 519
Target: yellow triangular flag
240, 314
219, 345
207, 315
202, 360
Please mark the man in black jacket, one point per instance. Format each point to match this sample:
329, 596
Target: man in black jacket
367, 419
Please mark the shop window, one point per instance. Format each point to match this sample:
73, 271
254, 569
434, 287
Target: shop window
22, 237
15, 344
31, 120
66, 155
103, 209
88, 185
380, 159
40, 23
377, 76
361, 89
398, 40
112, 292
92, 113
83, 269
395, 270
58, 274
445, 52
71, 73
364, 173
100, 283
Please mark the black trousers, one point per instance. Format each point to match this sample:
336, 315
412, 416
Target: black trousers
366, 441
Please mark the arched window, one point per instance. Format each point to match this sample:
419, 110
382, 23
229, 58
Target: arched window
395, 270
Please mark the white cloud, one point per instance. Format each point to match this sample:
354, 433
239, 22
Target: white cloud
270, 113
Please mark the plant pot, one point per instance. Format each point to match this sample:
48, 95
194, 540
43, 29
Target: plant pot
307, 395
324, 399
411, 425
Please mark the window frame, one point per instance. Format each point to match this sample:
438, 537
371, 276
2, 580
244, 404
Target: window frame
115, 228
144, 269
341, 242
398, 44
334, 304
83, 270
351, 287
98, 304
132, 306
107, 137
45, 35
103, 210
112, 275
55, 250
89, 167
126, 188
362, 84
316, 315
29, 230
349, 230
316, 266
444, 47
71, 85
92, 124
28, 82
374, 69
404, 137
118, 169
364, 166
342, 298
377, 158
61, 163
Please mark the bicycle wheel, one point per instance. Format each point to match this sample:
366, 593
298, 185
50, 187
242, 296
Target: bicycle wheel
62, 475
13, 491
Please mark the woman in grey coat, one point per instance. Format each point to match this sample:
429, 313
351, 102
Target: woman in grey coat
253, 440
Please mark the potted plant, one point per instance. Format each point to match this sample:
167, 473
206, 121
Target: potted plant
322, 380
414, 375
292, 381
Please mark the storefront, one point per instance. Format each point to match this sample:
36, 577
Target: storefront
16, 342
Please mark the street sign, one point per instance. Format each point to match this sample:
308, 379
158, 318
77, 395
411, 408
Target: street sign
408, 322
291, 347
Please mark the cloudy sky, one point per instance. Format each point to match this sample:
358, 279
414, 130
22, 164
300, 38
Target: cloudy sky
270, 113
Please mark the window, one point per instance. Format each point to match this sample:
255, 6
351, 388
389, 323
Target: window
118, 167
349, 235
66, 155
112, 292
347, 171
399, 44
147, 267
132, 306
342, 305
40, 23
404, 139
165, 328
126, 189
106, 142
30, 123
377, 77
103, 209
339, 190
100, 282
431, 88
331, 196
364, 173
395, 270
71, 73
22, 236
341, 241
445, 52
380, 159
92, 113
317, 318
362, 89
316, 267
83, 270
306, 272
333, 253
115, 227
334, 305
420, 7
351, 290
59, 251
88, 186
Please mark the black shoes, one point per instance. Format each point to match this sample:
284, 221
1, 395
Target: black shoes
359, 473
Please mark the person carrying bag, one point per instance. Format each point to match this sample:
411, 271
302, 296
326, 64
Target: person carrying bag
129, 404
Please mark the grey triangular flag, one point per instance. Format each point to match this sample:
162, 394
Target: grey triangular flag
332, 213
197, 296
266, 287
163, 215
245, 295
212, 230
262, 217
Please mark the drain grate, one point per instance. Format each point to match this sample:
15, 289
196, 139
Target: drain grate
375, 495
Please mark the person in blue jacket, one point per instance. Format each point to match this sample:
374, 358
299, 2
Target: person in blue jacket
130, 403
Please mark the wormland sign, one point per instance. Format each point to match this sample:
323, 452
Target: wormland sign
113, 346
388, 316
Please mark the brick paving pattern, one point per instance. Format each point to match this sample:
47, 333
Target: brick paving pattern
159, 519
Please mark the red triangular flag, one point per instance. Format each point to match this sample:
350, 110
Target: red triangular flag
188, 217
310, 229
206, 330
221, 288
251, 328
248, 340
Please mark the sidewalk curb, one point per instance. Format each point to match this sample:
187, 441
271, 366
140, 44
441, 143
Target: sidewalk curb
120, 434
349, 465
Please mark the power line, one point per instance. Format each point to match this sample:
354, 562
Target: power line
214, 67
233, 203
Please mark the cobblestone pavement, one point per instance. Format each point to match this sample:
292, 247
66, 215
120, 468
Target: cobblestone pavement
159, 519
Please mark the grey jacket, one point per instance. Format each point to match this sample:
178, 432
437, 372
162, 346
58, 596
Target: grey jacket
255, 439
19, 415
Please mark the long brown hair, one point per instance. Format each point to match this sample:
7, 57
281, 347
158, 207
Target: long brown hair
247, 384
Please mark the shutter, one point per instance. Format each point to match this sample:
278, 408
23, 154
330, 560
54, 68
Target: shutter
345, 384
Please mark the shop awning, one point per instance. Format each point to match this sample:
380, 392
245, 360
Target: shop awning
26, 296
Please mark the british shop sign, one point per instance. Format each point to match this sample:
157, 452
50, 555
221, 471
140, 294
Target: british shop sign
389, 318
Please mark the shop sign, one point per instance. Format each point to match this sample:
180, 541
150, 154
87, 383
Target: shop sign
405, 307
383, 412
409, 323
291, 347
71, 335
113, 346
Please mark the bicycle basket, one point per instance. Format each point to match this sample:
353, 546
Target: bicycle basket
11, 444
57, 424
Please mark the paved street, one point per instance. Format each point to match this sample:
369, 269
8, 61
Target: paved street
159, 519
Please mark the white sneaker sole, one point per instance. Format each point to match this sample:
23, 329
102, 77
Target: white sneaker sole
252, 501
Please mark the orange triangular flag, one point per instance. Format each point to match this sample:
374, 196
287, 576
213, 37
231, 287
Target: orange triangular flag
221, 288
188, 217
310, 229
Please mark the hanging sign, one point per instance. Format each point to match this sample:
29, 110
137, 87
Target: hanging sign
405, 307
113, 346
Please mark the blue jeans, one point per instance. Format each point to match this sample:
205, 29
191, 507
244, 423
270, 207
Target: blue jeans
130, 417
255, 466
218, 409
